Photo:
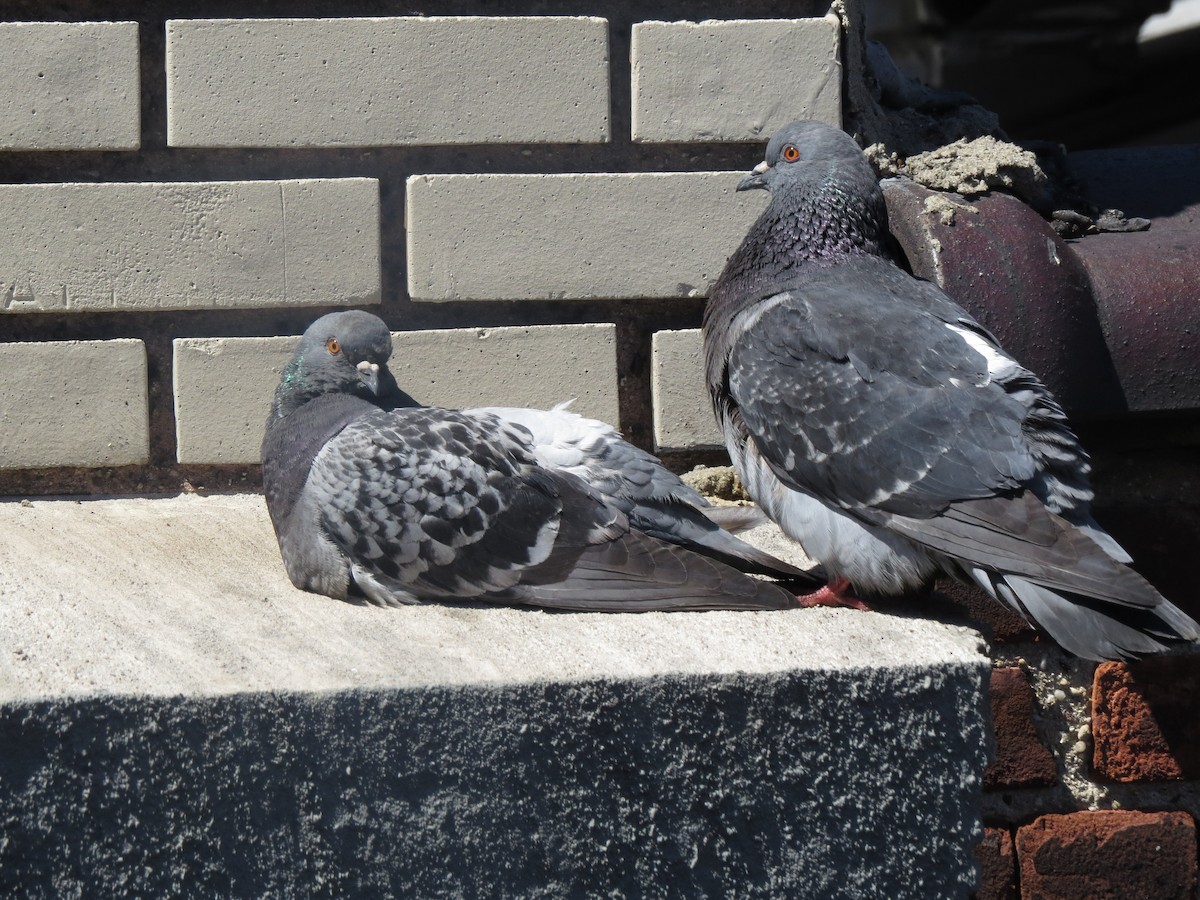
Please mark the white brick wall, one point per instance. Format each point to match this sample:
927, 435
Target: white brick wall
224, 386
73, 403
187, 245
313, 163
735, 80
363, 82
69, 86
525, 237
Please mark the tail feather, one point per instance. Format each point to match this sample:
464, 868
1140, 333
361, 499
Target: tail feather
1088, 627
638, 573
735, 518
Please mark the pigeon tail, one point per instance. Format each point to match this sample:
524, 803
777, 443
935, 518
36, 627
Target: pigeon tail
1090, 628
691, 528
639, 573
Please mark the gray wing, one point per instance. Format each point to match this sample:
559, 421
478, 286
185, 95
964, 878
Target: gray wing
433, 504
654, 498
436, 504
870, 404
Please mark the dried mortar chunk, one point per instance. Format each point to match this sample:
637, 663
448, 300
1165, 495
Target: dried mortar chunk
977, 166
716, 483
946, 209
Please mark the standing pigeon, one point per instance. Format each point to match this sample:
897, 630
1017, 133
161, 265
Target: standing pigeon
423, 504
887, 431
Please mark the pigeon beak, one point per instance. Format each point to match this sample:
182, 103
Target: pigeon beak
755, 178
368, 373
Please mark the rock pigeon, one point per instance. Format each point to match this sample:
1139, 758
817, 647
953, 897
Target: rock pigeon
889, 433
418, 504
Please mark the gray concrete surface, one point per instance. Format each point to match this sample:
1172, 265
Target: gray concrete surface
386, 81
224, 386
73, 403
628, 235
734, 80
683, 416
176, 719
189, 245
69, 86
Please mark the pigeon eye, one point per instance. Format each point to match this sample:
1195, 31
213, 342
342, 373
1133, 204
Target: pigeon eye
790, 153
333, 346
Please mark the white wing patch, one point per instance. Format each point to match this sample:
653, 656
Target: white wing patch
999, 366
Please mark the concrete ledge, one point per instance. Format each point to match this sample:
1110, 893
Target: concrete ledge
174, 717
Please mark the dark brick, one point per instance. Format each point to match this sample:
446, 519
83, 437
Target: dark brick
998, 621
1146, 719
1108, 855
1022, 760
997, 866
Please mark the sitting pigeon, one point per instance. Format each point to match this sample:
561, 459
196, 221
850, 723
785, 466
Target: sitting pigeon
656, 501
889, 433
420, 504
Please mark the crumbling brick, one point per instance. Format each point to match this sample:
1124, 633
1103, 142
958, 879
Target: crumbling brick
1146, 719
1108, 855
1022, 760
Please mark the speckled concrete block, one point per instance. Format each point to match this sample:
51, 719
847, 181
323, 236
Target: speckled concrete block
188, 245
177, 719
224, 386
73, 403
69, 86
381, 81
683, 415
737, 80
561, 237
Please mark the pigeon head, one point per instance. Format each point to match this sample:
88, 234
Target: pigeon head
806, 152
826, 203
340, 353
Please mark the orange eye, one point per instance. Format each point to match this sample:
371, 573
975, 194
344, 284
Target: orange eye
790, 153
333, 346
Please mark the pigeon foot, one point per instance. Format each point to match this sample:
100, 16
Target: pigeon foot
836, 593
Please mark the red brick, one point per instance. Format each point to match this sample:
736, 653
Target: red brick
997, 866
1022, 760
998, 621
1146, 719
1108, 855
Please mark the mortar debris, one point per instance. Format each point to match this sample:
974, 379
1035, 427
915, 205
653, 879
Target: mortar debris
717, 483
948, 141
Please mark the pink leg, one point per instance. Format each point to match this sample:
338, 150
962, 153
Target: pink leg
836, 593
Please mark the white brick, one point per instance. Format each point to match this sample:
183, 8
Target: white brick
188, 245
683, 416
737, 80
525, 237
69, 86
224, 386
381, 81
73, 403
